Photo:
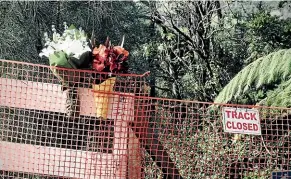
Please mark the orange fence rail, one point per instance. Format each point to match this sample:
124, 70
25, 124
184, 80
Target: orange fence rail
139, 137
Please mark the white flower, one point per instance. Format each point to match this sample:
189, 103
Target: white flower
73, 42
47, 51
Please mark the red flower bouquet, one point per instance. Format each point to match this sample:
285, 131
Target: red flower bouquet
109, 58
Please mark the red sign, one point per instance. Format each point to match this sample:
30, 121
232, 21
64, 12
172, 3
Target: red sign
239, 120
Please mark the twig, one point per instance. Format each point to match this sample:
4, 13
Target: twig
265, 146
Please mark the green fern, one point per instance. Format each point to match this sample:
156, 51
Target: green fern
280, 96
263, 70
271, 73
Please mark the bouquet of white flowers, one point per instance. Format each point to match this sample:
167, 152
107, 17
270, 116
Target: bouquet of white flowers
66, 49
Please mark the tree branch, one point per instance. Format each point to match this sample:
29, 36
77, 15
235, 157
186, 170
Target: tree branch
164, 89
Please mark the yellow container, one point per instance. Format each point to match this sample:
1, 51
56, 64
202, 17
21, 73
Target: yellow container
101, 96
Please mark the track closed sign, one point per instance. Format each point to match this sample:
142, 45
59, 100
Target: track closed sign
240, 120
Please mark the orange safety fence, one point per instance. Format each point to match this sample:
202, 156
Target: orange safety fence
115, 130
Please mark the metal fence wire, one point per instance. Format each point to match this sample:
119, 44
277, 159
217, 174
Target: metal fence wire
115, 130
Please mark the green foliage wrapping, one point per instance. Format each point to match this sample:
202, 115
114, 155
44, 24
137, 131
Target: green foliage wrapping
59, 59
270, 73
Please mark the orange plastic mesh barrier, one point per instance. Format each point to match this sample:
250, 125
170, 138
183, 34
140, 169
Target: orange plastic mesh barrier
111, 129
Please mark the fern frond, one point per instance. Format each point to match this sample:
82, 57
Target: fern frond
272, 69
264, 69
279, 97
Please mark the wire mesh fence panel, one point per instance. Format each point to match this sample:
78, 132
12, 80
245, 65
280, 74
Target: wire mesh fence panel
38, 139
60, 123
192, 136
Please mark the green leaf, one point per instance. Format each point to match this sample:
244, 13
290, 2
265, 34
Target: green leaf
72, 27
170, 36
59, 59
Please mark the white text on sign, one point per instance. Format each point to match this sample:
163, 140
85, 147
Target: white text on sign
243, 121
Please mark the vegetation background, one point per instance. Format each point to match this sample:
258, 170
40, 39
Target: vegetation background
222, 51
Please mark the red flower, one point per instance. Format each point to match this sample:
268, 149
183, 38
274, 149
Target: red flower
98, 65
110, 58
